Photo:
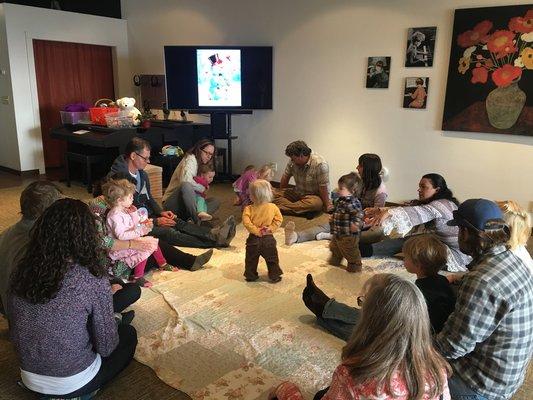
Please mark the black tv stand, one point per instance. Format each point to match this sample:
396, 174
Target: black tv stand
225, 135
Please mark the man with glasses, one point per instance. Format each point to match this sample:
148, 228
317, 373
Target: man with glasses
167, 226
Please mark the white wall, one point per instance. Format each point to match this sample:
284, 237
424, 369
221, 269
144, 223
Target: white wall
320, 50
9, 151
23, 24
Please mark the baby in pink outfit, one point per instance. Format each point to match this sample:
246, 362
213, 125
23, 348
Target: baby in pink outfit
124, 222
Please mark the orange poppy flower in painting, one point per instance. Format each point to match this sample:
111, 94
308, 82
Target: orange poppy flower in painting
527, 57
505, 75
480, 75
501, 43
522, 24
476, 35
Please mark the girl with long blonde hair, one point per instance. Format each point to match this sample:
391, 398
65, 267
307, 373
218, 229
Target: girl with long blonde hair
519, 222
390, 354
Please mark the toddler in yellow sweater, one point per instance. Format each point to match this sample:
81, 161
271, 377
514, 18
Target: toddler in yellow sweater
261, 218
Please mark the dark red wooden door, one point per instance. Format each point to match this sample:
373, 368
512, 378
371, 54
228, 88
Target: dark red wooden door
68, 73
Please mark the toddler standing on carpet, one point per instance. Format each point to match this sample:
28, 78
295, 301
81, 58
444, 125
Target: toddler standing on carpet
204, 178
346, 223
261, 219
124, 223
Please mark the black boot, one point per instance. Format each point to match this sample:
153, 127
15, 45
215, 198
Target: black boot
314, 298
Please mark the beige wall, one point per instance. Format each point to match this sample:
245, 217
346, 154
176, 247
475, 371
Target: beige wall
320, 50
22, 131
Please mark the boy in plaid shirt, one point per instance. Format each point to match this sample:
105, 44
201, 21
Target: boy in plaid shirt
347, 213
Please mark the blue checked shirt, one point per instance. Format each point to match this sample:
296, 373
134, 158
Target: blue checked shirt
347, 210
488, 339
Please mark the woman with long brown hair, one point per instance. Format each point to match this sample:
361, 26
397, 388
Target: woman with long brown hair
390, 354
60, 308
180, 196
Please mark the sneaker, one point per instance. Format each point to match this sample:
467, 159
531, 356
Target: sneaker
291, 236
168, 267
201, 260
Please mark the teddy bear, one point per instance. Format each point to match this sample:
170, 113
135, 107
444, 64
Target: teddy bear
127, 107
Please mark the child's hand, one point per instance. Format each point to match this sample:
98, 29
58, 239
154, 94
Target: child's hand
265, 231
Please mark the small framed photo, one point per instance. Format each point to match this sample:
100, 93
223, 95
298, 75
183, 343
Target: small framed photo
416, 92
420, 46
378, 72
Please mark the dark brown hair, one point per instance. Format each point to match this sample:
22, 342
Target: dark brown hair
496, 233
297, 149
198, 147
65, 234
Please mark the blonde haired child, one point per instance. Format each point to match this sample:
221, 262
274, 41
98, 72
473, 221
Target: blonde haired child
125, 223
519, 222
250, 174
261, 219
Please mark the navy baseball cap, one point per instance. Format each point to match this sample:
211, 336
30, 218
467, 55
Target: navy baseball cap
474, 213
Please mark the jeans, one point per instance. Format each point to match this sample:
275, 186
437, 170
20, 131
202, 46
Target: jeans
339, 319
459, 390
388, 247
183, 203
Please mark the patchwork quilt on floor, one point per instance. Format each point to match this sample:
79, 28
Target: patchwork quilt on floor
215, 336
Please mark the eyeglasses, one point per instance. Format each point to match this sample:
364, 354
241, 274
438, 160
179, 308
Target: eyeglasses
360, 300
147, 159
207, 153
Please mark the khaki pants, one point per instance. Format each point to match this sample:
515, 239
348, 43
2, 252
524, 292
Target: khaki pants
345, 247
264, 246
290, 202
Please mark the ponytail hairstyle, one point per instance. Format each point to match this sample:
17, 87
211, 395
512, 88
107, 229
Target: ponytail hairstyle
393, 337
519, 222
444, 191
372, 167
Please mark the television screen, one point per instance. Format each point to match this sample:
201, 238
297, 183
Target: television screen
218, 78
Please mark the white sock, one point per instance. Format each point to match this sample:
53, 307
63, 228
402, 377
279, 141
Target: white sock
323, 236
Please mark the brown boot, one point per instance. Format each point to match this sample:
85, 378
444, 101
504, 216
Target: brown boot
354, 267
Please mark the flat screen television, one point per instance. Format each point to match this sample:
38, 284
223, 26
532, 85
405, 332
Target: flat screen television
214, 78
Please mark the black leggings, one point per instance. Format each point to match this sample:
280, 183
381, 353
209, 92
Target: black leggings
123, 298
113, 364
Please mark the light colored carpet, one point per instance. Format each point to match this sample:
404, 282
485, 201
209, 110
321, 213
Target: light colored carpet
215, 336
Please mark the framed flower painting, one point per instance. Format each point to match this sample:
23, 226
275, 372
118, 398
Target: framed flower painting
490, 76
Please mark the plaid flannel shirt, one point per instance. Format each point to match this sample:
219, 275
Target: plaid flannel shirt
488, 339
347, 210
309, 177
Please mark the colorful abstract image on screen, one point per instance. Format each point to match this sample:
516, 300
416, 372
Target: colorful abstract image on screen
219, 77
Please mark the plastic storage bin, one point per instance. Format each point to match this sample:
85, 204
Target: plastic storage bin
118, 120
75, 117
98, 114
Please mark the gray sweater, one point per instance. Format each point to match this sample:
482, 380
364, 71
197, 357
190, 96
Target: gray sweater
61, 337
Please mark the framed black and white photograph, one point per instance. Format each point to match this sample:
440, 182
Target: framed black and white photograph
415, 94
378, 72
420, 46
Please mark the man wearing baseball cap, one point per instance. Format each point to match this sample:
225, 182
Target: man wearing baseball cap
488, 339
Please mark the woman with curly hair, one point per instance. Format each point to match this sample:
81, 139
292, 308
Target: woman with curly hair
60, 307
